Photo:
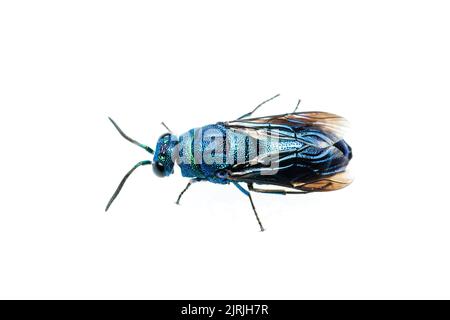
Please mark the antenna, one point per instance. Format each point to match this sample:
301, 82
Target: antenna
141, 163
124, 179
143, 146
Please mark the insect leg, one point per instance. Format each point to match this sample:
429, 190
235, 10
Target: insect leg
257, 107
187, 187
247, 193
274, 191
167, 128
296, 107
256, 213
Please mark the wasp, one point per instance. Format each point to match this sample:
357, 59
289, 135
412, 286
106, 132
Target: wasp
292, 153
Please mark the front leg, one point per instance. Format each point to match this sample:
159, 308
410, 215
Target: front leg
187, 187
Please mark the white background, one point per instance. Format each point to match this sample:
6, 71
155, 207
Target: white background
67, 65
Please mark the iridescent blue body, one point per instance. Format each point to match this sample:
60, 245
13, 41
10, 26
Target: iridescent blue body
293, 153
306, 154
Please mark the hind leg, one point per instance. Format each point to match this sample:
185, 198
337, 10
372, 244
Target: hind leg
247, 193
257, 107
296, 107
274, 191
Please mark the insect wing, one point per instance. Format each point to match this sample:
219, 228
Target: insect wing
319, 165
322, 121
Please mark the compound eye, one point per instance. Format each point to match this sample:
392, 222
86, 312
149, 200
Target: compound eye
158, 169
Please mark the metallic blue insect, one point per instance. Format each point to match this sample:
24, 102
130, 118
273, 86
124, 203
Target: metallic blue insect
293, 153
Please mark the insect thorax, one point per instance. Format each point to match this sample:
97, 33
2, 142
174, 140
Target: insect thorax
208, 152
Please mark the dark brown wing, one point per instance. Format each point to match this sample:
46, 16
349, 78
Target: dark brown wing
331, 183
323, 121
